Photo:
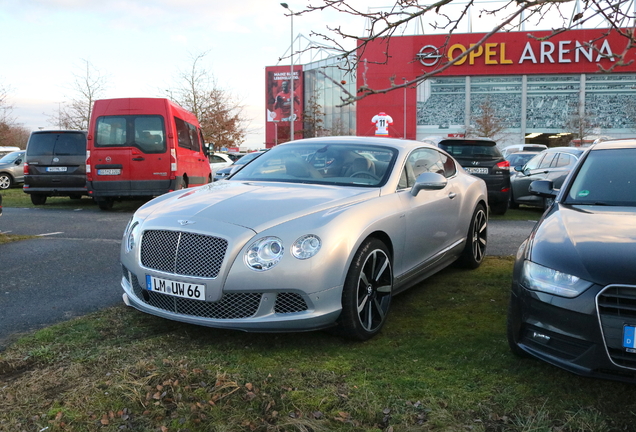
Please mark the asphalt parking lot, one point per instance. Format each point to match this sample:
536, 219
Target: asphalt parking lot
72, 267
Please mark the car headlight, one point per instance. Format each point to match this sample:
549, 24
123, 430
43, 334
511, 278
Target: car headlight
306, 246
539, 278
133, 233
264, 253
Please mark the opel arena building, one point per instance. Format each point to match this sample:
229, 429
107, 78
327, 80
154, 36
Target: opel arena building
544, 89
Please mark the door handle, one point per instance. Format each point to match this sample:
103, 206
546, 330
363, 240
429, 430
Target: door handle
138, 159
452, 195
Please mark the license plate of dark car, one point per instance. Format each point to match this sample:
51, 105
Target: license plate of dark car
56, 169
174, 288
629, 338
477, 170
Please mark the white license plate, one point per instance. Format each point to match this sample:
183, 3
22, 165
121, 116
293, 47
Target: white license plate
108, 172
174, 288
56, 169
477, 170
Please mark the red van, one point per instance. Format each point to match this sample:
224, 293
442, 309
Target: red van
142, 147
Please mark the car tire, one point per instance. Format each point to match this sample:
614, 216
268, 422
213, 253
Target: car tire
500, 208
6, 181
38, 199
513, 204
473, 254
367, 292
105, 203
512, 332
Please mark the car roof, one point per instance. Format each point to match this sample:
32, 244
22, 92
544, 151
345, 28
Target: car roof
399, 144
615, 144
436, 140
572, 150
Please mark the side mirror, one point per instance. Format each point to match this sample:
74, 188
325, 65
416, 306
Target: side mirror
519, 168
543, 188
428, 181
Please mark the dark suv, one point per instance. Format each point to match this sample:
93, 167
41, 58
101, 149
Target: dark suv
481, 157
55, 165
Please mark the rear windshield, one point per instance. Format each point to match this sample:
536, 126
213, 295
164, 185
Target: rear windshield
146, 132
57, 144
472, 149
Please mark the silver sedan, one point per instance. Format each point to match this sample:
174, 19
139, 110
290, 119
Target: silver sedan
313, 234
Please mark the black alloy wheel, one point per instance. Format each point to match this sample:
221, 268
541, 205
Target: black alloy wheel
367, 292
476, 241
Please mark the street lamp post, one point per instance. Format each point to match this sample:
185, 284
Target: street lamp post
291, 76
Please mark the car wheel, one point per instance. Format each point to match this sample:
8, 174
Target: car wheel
513, 204
5, 181
512, 332
475, 249
105, 203
500, 208
367, 292
38, 199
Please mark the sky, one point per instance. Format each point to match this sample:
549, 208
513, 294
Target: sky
141, 46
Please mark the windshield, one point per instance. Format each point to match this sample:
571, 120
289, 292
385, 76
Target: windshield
342, 164
606, 177
471, 149
10, 158
245, 159
57, 144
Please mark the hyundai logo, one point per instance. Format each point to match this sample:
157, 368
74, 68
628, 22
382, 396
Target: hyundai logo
429, 55
475, 162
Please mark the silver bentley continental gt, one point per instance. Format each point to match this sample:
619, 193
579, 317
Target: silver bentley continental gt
313, 234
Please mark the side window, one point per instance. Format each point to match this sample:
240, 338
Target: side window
547, 160
194, 137
450, 169
183, 133
534, 162
418, 162
564, 160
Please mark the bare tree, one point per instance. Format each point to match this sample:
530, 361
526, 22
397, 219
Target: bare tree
313, 118
448, 15
579, 123
486, 122
11, 133
219, 112
87, 87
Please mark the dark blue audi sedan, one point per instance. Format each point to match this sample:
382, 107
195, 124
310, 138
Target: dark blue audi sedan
573, 300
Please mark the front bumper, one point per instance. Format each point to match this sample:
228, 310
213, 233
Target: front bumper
257, 311
583, 335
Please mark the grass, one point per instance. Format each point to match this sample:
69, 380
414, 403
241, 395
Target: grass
440, 364
15, 197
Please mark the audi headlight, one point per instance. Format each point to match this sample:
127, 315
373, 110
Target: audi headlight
539, 278
306, 246
133, 233
264, 253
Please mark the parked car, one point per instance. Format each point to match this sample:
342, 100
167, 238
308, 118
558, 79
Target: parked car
218, 161
284, 246
574, 280
552, 164
55, 165
482, 158
515, 148
223, 173
11, 169
519, 159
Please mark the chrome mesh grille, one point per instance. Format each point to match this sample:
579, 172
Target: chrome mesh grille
289, 302
183, 253
231, 305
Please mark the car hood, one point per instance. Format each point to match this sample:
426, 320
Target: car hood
253, 205
592, 242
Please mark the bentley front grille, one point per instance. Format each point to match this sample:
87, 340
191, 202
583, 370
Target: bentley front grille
183, 253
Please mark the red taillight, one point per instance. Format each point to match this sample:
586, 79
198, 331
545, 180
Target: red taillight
505, 165
25, 168
89, 173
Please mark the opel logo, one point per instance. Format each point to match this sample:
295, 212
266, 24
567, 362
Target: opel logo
429, 55
183, 222
108, 159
